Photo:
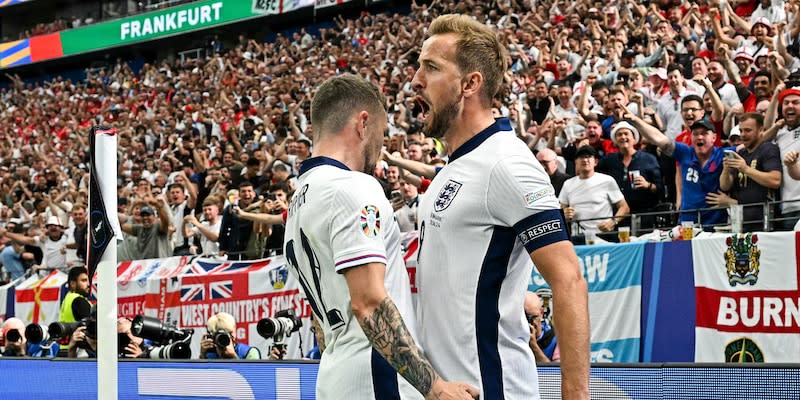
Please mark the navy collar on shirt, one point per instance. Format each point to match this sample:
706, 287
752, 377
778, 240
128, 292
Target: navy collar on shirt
314, 162
500, 124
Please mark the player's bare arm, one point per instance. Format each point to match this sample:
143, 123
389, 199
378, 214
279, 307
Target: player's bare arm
559, 266
388, 334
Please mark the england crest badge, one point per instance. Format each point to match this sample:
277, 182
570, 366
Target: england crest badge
446, 195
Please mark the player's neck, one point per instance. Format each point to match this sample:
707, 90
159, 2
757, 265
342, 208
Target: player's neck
469, 124
344, 154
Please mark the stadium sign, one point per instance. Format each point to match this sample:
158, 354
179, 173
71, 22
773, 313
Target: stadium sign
171, 21
154, 25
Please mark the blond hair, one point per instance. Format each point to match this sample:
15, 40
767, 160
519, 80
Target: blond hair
221, 320
477, 49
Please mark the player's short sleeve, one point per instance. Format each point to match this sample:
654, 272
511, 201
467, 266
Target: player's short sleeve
359, 214
520, 196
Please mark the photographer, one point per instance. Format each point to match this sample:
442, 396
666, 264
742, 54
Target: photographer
220, 341
81, 344
14, 348
76, 306
130, 346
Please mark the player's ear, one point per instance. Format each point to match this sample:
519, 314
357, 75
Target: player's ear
472, 83
361, 123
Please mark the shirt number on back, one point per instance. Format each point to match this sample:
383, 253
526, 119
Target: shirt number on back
313, 293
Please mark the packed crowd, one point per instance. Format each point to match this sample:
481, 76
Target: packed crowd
625, 104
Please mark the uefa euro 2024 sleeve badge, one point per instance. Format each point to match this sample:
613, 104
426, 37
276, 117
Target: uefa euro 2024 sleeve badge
370, 221
742, 259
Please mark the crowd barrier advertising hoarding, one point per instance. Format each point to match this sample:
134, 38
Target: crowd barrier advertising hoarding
156, 380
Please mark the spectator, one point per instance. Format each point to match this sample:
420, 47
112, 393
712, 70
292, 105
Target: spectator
701, 166
237, 239
276, 204
594, 138
589, 198
81, 220
549, 162
786, 135
539, 102
223, 324
792, 164
75, 305
180, 206
406, 208
543, 341
153, 236
754, 173
670, 103
393, 176
12, 252
637, 173
207, 230
53, 244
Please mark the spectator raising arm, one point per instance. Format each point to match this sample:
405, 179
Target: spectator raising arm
791, 160
415, 167
650, 133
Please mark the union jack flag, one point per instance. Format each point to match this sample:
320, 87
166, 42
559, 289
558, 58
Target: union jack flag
200, 267
201, 291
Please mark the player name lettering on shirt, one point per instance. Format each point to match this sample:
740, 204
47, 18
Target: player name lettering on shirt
298, 199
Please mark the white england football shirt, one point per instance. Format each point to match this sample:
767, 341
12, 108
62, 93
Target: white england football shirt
340, 219
483, 213
789, 139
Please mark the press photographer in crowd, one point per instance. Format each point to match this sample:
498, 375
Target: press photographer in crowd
76, 305
128, 345
220, 341
13, 338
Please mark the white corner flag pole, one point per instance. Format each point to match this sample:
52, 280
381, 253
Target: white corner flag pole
105, 164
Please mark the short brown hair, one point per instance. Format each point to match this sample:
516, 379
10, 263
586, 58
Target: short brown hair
477, 49
754, 116
338, 98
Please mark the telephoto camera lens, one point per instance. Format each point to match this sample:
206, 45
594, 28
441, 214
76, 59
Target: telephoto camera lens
222, 338
269, 327
177, 351
34, 333
13, 336
60, 330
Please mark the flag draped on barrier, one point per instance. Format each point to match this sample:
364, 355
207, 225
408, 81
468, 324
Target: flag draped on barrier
748, 298
614, 276
38, 300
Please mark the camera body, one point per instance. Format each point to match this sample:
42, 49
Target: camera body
169, 342
279, 327
221, 338
59, 330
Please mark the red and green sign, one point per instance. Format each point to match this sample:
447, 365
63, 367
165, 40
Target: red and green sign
140, 28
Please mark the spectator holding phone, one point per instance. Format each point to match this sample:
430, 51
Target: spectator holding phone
753, 174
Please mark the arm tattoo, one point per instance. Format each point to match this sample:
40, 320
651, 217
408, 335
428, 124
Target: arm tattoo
390, 337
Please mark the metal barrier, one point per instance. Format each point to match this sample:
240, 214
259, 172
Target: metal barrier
735, 222
192, 54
